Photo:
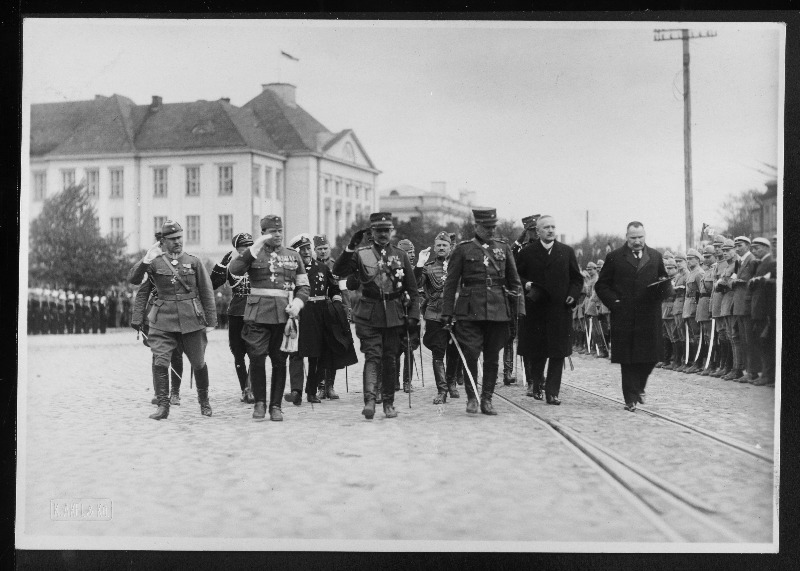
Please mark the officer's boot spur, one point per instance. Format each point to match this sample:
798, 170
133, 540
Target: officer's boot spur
201, 375
441, 383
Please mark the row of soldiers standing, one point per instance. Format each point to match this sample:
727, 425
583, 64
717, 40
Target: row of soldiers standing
58, 312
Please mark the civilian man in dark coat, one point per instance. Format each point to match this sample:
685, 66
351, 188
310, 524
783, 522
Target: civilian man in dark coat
762, 310
631, 286
550, 275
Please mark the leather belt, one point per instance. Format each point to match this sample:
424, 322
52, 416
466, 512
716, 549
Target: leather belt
269, 292
488, 282
317, 298
178, 296
381, 295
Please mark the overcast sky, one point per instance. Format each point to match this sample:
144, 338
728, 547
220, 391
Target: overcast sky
554, 118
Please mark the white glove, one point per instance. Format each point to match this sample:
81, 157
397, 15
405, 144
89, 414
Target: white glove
152, 253
423, 257
259, 243
293, 309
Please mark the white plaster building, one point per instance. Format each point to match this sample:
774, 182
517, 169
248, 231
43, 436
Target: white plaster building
405, 202
214, 167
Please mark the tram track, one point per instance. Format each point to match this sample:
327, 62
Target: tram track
678, 514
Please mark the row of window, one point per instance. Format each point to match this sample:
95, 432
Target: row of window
255, 182
350, 188
160, 181
191, 231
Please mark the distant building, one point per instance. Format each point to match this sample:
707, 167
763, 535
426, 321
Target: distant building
214, 167
406, 202
765, 217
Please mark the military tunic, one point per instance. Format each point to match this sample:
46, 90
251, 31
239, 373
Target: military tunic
434, 274
240, 287
693, 283
677, 306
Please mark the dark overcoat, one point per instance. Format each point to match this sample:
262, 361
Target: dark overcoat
546, 329
635, 308
322, 284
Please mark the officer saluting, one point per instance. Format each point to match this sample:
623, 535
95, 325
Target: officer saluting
388, 304
278, 290
182, 314
484, 269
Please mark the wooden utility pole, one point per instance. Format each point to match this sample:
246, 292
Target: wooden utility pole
685, 36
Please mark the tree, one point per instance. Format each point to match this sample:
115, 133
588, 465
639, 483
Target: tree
737, 212
66, 248
596, 248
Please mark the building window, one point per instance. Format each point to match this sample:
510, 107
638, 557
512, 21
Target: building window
39, 185
268, 183
116, 183
279, 183
367, 193
327, 186
160, 182
192, 181
358, 192
117, 227
255, 180
225, 228
347, 190
67, 178
337, 187
226, 179
192, 229
93, 182
158, 222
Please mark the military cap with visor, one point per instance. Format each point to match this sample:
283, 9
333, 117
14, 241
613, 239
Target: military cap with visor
171, 229
485, 217
271, 222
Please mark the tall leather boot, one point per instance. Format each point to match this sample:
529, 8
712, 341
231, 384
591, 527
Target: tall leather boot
408, 373
692, 367
276, 387
201, 375
370, 385
175, 377
489, 382
724, 350
154, 400
161, 383
441, 383
241, 374
472, 398
450, 375
681, 357
379, 385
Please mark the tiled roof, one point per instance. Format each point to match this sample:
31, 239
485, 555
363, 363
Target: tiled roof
291, 127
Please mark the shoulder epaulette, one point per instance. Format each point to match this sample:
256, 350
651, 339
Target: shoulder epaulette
464, 242
362, 248
501, 240
429, 263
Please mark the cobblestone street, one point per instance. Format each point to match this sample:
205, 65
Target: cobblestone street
327, 474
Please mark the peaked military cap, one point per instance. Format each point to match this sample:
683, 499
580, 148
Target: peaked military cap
728, 244
381, 220
171, 229
444, 237
591, 265
762, 241
668, 255
320, 240
708, 251
744, 239
299, 241
487, 216
680, 256
719, 239
528, 220
271, 222
242, 239
692, 253
406, 245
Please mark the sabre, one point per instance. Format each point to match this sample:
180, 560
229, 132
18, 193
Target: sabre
346, 383
421, 368
586, 333
686, 336
603, 336
464, 362
699, 346
711, 343
191, 376
591, 330
408, 358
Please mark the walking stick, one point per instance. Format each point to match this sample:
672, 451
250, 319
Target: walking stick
408, 358
346, 383
464, 362
191, 376
421, 368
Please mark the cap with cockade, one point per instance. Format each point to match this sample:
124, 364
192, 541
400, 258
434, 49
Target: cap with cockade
299, 241
406, 244
271, 222
444, 237
485, 217
591, 266
719, 239
668, 254
381, 220
762, 241
600, 263
242, 239
669, 262
743, 239
320, 240
728, 244
692, 253
171, 229
680, 256
529, 220
708, 251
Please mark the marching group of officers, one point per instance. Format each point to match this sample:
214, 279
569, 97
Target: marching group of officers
475, 297
59, 311
719, 320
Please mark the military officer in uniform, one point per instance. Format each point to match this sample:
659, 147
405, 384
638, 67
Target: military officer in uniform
323, 289
724, 357
486, 274
762, 310
181, 315
724, 283
322, 250
530, 234
408, 343
677, 309
387, 309
278, 291
241, 289
670, 362
694, 281
746, 269
70, 317
436, 339
703, 314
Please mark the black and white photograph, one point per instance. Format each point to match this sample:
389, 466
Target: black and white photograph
381, 285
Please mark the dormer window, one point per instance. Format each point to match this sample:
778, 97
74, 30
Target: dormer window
204, 128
